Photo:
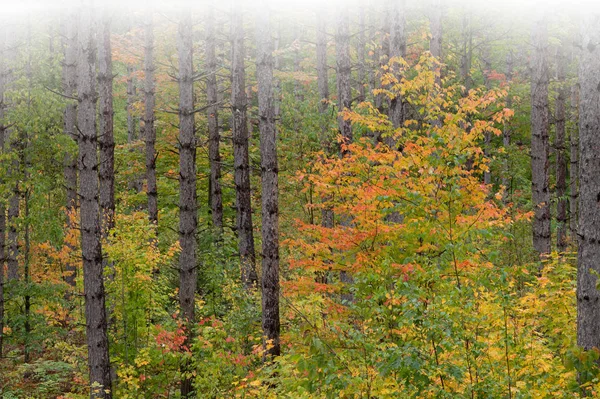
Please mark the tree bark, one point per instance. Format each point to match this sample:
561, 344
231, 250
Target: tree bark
188, 218
212, 96
69, 129
12, 257
588, 297
574, 166
360, 52
435, 42
269, 178
131, 93
323, 87
467, 53
149, 128
2, 204
487, 135
560, 148
539, 138
397, 50
506, 131
342, 47
95, 310
106, 139
240, 152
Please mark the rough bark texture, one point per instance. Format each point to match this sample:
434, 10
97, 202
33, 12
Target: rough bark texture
467, 53
269, 178
323, 86
360, 52
506, 131
574, 166
131, 119
106, 139
397, 49
69, 129
561, 151
95, 310
188, 218
241, 162
342, 48
12, 256
487, 136
435, 42
149, 128
588, 297
539, 138
2, 205
212, 96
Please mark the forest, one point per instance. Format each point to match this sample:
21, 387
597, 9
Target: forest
299, 199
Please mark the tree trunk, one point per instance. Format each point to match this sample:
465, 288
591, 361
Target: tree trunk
397, 50
149, 128
240, 152
269, 178
435, 42
561, 155
188, 218
574, 166
487, 135
212, 96
131, 93
539, 139
588, 297
69, 129
342, 47
106, 138
91, 252
2, 205
12, 257
467, 53
323, 87
360, 52
506, 131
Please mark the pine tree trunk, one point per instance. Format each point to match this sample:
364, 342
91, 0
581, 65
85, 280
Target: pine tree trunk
2, 205
106, 138
539, 139
435, 42
506, 131
149, 128
360, 52
397, 49
342, 47
188, 218
588, 297
574, 166
12, 257
561, 155
487, 135
91, 252
131, 120
323, 87
240, 153
69, 129
214, 139
269, 178
467, 53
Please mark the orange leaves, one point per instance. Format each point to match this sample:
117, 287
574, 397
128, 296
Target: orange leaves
392, 207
